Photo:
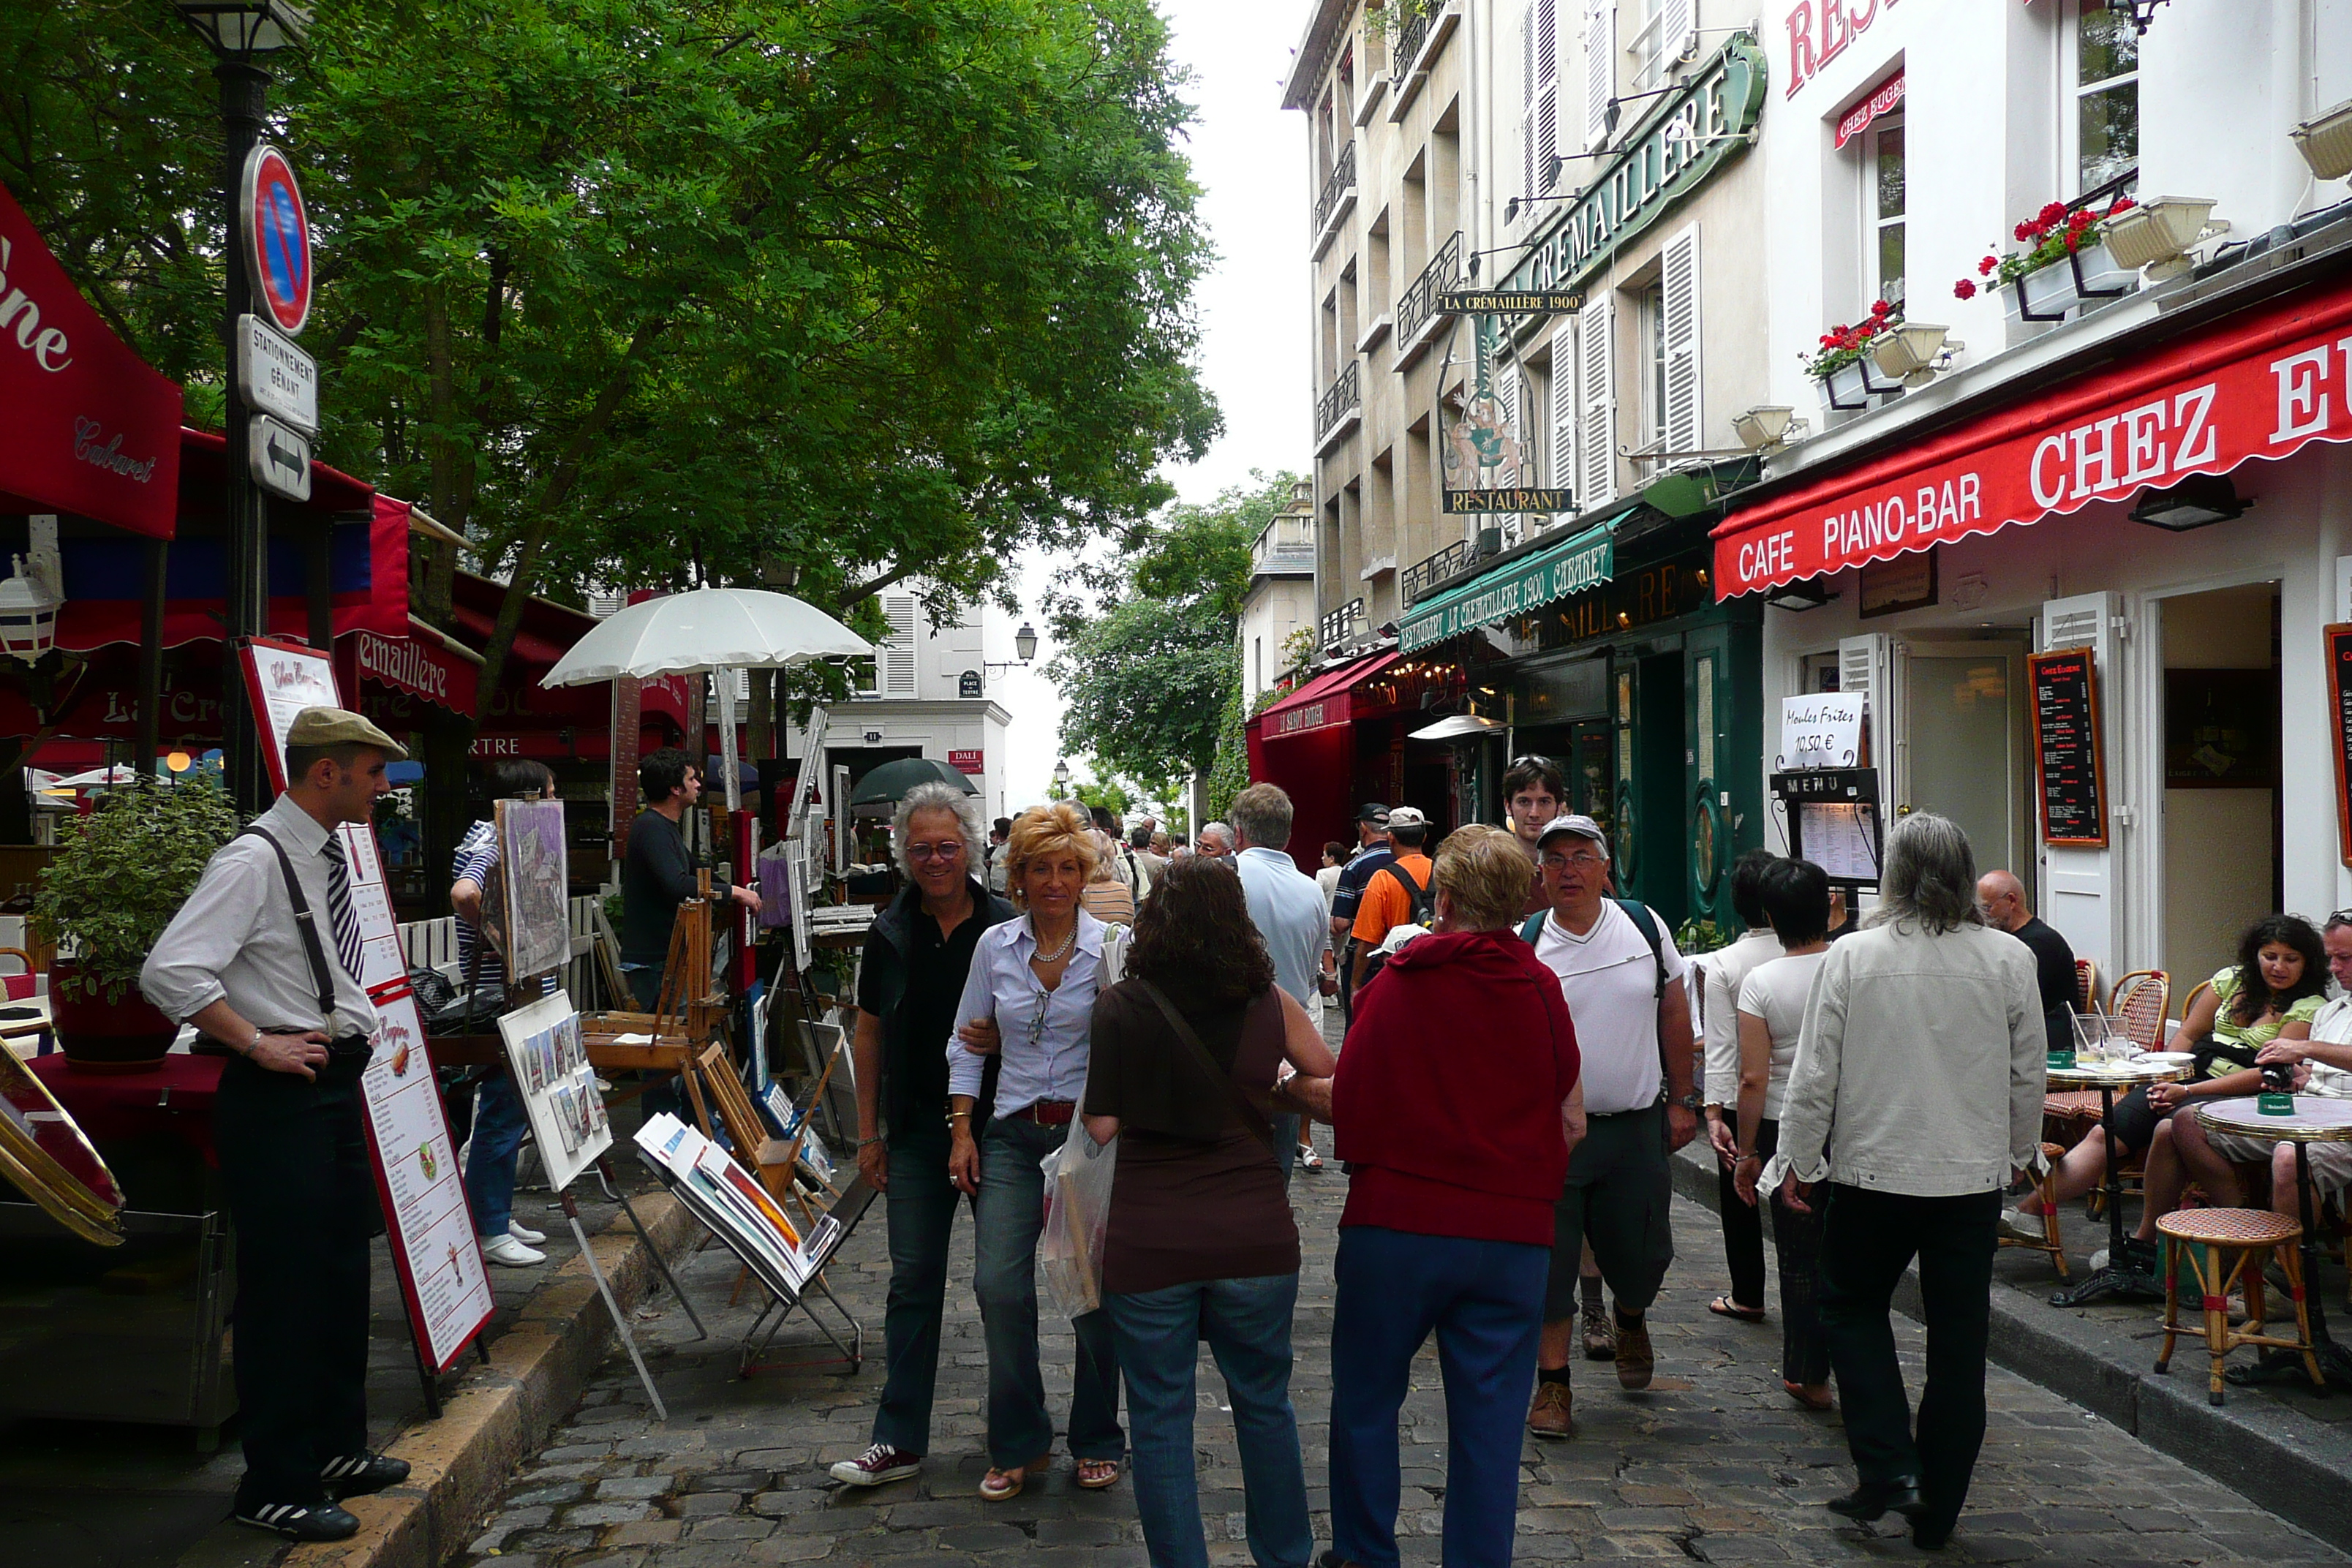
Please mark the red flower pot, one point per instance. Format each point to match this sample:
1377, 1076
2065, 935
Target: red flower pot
98, 1035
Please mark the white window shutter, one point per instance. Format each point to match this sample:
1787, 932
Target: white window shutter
1507, 392
2078, 892
1599, 69
1547, 95
1861, 664
1678, 276
896, 658
1596, 417
1562, 468
1527, 103
1677, 19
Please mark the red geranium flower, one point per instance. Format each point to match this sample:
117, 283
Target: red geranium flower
2052, 213
1964, 289
1984, 267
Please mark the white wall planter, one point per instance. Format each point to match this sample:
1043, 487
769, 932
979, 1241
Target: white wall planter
2082, 278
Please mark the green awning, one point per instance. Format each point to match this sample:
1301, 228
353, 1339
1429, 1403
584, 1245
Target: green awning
1568, 567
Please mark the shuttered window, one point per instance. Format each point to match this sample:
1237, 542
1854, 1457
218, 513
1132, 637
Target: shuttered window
1515, 428
1561, 468
1596, 396
1599, 69
1679, 413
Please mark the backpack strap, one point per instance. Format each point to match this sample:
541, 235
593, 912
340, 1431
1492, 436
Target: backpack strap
1533, 929
307, 923
1647, 924
1251, 1116
1416, 894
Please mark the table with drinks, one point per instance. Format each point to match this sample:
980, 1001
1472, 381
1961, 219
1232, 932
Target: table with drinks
2105, 1059
2302, 1119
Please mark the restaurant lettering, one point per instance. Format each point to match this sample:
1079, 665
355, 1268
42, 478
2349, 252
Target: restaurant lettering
2191, 409
405, 665
47, 345
1819, 31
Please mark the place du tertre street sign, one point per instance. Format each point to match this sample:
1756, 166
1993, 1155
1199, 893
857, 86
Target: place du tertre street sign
1524, 497
1511, 301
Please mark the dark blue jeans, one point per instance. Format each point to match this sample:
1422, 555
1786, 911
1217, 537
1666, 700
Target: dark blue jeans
1012, 1214
500, 1123
920, 1206
1484, 1299
1247, 1325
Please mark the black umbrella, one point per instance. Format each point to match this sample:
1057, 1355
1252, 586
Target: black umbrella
887, 784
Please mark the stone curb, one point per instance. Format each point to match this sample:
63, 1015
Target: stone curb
2294, 1467
491, 1419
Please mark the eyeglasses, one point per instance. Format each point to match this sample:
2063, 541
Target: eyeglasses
948, 851
1562, 862
1534, 760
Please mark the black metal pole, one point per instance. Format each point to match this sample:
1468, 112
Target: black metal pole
244, 87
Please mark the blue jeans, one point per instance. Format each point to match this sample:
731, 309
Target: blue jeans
498, 1126
920, 1206
1485, 1301
1012, 1214
1247, 1325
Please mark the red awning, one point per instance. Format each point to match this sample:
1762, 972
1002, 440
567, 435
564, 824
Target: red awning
1322, 702
86, 426
2264, 385
1883, 100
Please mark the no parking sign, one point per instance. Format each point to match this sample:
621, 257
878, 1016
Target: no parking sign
277, 240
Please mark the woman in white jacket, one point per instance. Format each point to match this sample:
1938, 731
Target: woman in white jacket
1924, 1046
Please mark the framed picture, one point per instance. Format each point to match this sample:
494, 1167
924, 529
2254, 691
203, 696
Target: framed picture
557, 1088
536, 885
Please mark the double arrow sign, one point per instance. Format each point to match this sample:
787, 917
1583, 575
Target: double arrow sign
281, 383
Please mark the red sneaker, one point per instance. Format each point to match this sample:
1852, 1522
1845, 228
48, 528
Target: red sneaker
878, 1466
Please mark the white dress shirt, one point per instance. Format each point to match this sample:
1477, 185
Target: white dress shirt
1043, 1035
1289, 912
235, 937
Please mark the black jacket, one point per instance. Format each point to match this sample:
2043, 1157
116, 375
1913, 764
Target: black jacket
886, 970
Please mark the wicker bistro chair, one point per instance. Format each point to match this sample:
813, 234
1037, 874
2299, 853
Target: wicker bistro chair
2139, 1002
2052, 1242
2086, 987
2220, 1243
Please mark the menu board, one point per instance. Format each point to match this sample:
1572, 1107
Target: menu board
431, 1227
2337, 640
2069, 760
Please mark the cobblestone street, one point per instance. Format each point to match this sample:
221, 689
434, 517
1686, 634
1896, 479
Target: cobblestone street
1712, 1464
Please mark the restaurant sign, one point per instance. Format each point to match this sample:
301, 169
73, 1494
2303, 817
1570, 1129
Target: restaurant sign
1510, 302
1570, 567
1686, 138
1512, 499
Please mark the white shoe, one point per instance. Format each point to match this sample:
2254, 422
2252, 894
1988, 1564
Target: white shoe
524, 1233
2016, 1225
506, 1249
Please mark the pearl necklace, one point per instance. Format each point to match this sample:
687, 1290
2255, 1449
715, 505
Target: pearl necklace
1042, 956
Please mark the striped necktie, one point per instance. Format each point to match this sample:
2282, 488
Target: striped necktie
339, 910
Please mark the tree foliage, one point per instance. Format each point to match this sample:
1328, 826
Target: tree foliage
1146, 675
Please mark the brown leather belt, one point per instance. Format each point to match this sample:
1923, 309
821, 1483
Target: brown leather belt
1047, 1112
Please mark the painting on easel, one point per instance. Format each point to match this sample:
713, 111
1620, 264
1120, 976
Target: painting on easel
537, 876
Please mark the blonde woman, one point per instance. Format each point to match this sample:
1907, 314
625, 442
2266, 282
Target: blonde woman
1030, 1001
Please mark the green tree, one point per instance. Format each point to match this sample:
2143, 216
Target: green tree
1110, 795
1146, 675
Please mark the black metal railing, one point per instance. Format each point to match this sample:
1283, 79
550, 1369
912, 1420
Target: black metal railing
1422, 577
1333, 406
1419, 302
1411, 33
1345, 627
1342, 181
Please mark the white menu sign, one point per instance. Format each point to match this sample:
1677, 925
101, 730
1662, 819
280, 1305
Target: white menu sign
432, 1229
1821, 730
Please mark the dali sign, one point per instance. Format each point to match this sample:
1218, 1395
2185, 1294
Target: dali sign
1678, 148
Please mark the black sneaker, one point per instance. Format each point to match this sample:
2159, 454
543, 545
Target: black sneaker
299, 1521
357, 1474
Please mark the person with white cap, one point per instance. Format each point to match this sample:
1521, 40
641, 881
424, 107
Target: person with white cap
1397, 894
1622, 978
264, 960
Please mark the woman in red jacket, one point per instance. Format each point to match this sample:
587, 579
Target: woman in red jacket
1456, 1106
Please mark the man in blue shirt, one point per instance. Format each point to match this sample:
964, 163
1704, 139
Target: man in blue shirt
1372, 853
1287, 907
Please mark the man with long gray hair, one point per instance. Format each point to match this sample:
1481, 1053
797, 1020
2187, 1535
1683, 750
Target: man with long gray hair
1923, 1044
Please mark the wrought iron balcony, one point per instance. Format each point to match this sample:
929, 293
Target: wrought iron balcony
1346, 627
1345, 397
1338, 191
1423, 578
1418, 306
1411, 35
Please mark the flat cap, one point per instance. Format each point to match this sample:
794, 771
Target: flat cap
341, 727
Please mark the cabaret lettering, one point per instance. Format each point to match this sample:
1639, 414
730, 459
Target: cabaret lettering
108, 457
48, 346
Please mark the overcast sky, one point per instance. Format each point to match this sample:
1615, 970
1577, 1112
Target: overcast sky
1248, 157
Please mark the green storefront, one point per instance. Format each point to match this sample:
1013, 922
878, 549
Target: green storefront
1608, 653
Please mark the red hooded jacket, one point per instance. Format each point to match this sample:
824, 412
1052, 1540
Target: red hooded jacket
1447, 1103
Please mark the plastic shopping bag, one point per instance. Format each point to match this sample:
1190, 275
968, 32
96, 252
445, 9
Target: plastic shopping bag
1078, 1178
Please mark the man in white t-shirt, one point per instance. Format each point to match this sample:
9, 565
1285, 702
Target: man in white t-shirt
1623, 981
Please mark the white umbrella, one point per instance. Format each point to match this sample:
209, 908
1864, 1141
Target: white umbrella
708, 629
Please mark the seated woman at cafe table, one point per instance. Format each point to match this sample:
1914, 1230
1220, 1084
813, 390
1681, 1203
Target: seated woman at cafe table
2270, 995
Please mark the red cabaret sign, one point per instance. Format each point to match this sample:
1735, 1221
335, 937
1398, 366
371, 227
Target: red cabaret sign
2264, 385
91, 428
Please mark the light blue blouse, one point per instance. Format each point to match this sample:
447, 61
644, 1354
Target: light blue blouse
1044, 1033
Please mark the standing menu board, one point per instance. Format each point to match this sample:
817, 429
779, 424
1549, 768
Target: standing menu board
2337, 640
432, 1229
2069, 758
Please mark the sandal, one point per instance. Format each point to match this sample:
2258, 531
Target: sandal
1724, 1307
1003, 1485
1096, 1473
1798, 1392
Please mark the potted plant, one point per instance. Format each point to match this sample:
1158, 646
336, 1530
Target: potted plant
120, 873
1842, 366
2065, 264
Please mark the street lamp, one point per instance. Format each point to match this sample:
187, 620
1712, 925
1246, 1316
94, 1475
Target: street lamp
1060, 779
243, 34
1025, 647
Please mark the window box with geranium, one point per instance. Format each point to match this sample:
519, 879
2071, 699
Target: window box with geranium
2066, 265
1842, 366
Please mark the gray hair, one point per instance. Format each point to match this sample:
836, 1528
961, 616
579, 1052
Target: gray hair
1263, 816
1220, 830
937, 797
1929, 876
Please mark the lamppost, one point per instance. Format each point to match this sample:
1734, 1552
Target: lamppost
1025, 649
1061, 780
243, 34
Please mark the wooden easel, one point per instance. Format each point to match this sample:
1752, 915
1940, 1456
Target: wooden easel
687, 1013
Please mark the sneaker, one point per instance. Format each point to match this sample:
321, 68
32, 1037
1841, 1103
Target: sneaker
506, 1249
524, 1233
1309, 1160
1600, 1339
1635, 1360
2016, 1225
1548, 1414
878, 1466
357, 1474
300, 1521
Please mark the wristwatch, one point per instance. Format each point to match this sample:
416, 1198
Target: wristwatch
1690, 1102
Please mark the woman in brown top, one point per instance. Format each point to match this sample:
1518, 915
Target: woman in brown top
1187, 1053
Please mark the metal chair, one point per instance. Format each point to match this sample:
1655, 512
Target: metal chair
2140, 1001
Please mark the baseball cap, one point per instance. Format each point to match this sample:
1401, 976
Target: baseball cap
1373, 811
1407, 817
1581, 826
341, 727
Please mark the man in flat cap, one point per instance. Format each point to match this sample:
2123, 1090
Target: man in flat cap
263, 959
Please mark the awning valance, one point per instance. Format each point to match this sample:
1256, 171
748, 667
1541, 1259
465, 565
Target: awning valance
2264, 385
1568, 567
1323, 702
1883, 100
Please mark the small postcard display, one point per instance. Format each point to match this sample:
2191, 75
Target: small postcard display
549, 1063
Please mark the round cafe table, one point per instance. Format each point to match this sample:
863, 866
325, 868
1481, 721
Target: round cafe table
2118, 1280
2316, 1119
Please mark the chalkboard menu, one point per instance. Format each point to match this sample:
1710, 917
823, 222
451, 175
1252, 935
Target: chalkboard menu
2069, 763
2339, 641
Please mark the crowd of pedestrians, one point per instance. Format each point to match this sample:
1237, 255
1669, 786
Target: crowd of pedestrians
1171, 1003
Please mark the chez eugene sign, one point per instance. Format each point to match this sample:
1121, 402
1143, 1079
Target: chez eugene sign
2262, 387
